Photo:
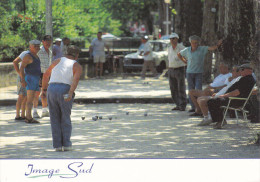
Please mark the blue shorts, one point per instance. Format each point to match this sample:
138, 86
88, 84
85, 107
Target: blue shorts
32, 82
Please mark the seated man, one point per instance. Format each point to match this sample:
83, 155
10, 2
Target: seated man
202, 101
242, 88
218, 83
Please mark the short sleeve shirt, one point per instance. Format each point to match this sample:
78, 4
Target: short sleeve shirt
148, 48
195, 59
244, 85
98, 47
174, 60
45, 59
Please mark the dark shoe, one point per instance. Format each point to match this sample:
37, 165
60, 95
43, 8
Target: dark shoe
218, 125
19, 119
175, 108
31, 121
191, 110
195, 114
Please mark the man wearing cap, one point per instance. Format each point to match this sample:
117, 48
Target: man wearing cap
241, 89
63, 76
45, 56
176, 73
97, 50
30, 72
56, 49
148, 57
194, 56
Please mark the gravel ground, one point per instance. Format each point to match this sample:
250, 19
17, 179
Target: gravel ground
161, 134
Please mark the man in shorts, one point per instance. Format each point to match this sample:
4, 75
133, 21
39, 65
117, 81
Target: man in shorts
21, 91
30, 73
97, 50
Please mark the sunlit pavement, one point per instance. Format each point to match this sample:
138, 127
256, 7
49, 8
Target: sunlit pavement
127, 130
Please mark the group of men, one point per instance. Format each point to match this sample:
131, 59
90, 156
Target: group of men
59, 75
207, 102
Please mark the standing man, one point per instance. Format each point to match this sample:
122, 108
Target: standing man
64, 74
30, 73
148, 57
97, 49
194, 56
45, 56
176, 73
56, 49
21, 91
64, 45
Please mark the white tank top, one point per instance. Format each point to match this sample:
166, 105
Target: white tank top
63, 71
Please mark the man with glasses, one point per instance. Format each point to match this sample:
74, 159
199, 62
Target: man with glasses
176, 73
30, 72
241, 89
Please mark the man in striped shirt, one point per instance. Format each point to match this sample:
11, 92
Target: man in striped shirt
45, 56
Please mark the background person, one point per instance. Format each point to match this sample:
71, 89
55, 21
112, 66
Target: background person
30, 73
64, 45
194, 56
97, 50
176, 74
56, 49
63, 76
148, 57
21, 91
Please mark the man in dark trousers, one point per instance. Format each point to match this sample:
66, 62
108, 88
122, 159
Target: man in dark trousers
241, 88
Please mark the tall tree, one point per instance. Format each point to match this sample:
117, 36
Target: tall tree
188, 20
209, 34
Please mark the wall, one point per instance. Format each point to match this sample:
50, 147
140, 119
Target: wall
8, 75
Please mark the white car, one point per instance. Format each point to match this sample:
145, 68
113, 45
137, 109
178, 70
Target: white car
134, 62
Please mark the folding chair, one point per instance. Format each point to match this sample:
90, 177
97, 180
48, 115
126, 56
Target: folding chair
241, 108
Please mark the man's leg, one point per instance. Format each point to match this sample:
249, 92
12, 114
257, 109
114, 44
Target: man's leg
23, 106
191, 85
35, 104
198, 81
100, 69
173, 88
194, 94
202, 101
29, 103
181, 88
144, 69
18, 105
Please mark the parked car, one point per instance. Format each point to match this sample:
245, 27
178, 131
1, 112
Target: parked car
134, 62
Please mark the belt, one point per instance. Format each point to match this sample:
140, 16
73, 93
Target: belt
178, 68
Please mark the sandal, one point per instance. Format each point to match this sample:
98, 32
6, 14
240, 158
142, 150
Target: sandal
19, 118
31, 121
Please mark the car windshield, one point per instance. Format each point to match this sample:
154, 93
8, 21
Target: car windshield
158, 46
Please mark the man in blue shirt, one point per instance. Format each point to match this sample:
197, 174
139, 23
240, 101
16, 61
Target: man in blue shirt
194, 56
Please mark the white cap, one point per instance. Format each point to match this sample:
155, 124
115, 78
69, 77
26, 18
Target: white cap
58, 40
174, 35
34, 42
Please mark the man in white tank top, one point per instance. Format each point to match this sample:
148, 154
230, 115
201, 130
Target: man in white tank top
63, 76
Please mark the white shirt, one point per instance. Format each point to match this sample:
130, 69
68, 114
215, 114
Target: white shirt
21, 56
63, 71
174, 61
98, 47
223, 90
148, 48
220, 80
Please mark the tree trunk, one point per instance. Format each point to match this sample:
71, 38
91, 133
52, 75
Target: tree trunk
188, 20
208, 35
